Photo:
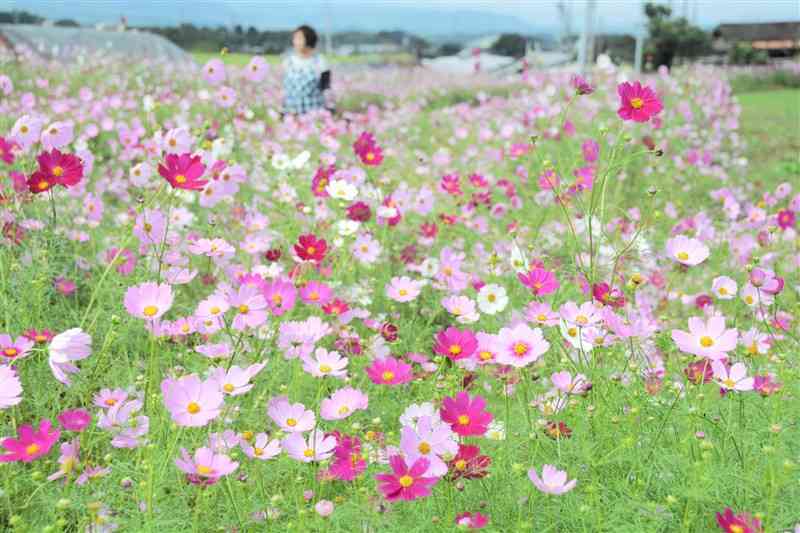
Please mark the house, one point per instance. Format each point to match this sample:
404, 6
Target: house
778, 39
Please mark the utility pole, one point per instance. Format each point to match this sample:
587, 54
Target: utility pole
586, 50
639, 52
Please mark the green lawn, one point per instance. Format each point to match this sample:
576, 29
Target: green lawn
770, 123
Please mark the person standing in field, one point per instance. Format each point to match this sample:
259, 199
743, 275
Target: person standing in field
306, 74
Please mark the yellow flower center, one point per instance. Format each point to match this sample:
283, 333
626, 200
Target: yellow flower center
637, 103
343, 410
706, 341
311, 250
753, 349
463, 420
748, 299
541, 317
308, 452
23, 128
204, 470
683, 256
291, 422
193, 408
10, 352
43, 185
461, 464
244, 309
314, 296
402, 292
185, 328
180, 178
485, 356
110, 402
388, 375
424, 448
572, 332
277, 299
491, 297
734, 528
58, 171
150, 310
582, 320
520, 349
215, 310
729, 383
455, 349
228, 388
325, 369
406, 481
173, 142
147, 227
722, 291
40, 338
370, 156
32, 449
247, 435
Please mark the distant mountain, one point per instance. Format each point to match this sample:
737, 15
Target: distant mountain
325, 15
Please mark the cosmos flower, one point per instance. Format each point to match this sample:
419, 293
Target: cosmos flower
325, 364
318, 447
638, 103
205, 467
183, 171
465, 414
553, 481
30, 444
455, 344
13, 349
687, 251
429, 438
149, 300
74, 419
10, 387
311, 248
403, 289
389, 371
540, 281
707, 339
470, 520
406, 481
262, 447
192, 402
734, 378
342, 404
520, 345
65, 348
291, 417
738, 523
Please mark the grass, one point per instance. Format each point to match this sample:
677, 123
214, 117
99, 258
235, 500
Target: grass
239, 59
770, 125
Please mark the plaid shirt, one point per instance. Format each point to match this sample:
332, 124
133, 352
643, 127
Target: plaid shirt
301, 92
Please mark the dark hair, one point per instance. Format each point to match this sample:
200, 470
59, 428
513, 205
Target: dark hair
309, 34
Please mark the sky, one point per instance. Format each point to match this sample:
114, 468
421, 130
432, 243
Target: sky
425, 17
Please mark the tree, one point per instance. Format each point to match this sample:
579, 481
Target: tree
509, 44
671, 38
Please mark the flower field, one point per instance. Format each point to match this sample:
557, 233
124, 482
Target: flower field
545, 303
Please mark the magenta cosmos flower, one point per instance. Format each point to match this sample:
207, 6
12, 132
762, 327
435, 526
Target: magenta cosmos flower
472, 520
687, 251
730, 522
455, 344
342, 404
540, 281
466, 415
520, 345
389, 371
183, 171
149, 300
30, 444
190, 401
206, 467
706, 339
74, 419
10, 387
71, 345
553, 480
638, 103
405, 482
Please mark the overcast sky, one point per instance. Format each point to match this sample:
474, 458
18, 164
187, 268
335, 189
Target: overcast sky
425, 15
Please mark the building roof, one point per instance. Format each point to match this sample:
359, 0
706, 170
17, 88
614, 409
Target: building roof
766, 31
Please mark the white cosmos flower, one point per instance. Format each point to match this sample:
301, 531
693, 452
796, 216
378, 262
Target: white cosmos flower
347, 227
385, 211
342, 190
280, 161
492, 299
301, 160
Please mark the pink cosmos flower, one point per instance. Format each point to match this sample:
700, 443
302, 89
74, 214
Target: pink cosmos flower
403, 289
638, 103
724, 288
192, 402
236, 381
487, 350
521, 345
214, 71
541, 313
206, 467
65, 348
280, 296
74, 419
10, 387
325, 364
262, 447
405, 482
564, 382
128, 430
455, 344
211, 248
291, 417
342, 404
177, 141
316, 293
256, 69
687, 251
57, 135
472, 520
318, 447
108, 398
540, 281
734, 378
349, 462
586, 314
30, 444
251, 306
149, 300
68, 460
432, 439
706, 339
766, 385
124, 260
324, 508
389, 371
11, 349
466, 415
553, 481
